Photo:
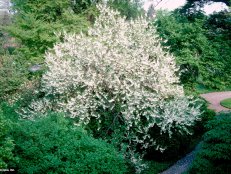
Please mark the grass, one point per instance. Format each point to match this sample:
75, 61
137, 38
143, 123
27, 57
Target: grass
226, 103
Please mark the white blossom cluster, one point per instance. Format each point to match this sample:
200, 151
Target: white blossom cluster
118, 61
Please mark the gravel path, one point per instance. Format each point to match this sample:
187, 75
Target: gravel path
183, 164
214, 99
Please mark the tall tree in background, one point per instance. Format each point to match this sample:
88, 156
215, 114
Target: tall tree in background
202, 2
35, 23
201, 44
194, 7
128, 8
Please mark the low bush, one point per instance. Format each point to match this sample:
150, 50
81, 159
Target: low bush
52, 145
215, 153
6, 142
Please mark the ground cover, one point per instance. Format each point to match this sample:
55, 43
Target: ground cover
226, 103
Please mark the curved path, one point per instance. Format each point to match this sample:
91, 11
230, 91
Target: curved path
214, 99
183, 164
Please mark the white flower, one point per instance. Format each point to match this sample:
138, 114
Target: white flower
118, 61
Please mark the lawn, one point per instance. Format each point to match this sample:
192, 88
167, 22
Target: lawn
226, 103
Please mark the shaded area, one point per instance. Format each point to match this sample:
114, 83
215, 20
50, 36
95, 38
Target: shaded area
183, 164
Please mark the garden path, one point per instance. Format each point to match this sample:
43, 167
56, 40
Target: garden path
214, 99
183, 164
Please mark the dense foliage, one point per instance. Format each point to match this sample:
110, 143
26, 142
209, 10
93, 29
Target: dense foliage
53, 145
215, 154
180, 144
12, 75
119, 79
110, 75
6, 142
35, 24
201, 47
33, 30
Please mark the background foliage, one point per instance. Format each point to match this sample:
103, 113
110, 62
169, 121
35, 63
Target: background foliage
201, 46
129, 8
35, 24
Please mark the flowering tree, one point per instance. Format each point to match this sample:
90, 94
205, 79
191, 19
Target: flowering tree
120, 68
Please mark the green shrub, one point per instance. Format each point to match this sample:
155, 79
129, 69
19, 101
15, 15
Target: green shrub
215, 154
12, 72
12, 75
9, 112
52, 145
6, 143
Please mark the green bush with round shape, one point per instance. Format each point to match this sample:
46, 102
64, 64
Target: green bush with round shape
215, 154
53, 145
